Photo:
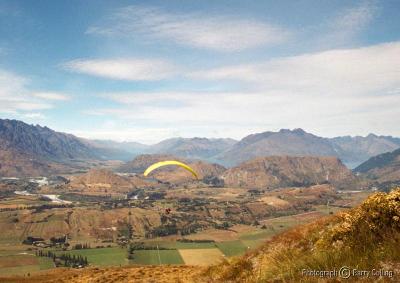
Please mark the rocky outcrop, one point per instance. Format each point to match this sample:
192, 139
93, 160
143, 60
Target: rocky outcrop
284, 171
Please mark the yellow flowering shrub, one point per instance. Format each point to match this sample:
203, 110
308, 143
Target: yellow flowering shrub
375, 217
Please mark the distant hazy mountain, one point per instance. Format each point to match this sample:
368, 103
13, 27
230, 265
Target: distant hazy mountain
382, 168
120, 150
355, 150
193, 148
39, 146
351, 150
42, 141
284, 142
141, 162
283, 171
28, 150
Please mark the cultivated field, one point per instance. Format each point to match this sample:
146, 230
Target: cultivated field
157, 257
202, 257
17, 263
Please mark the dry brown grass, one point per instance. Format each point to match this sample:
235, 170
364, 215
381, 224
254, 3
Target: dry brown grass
145, 274
11, 261
201, 257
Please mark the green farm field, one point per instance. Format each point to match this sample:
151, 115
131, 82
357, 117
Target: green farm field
22, 264
156, 257
102, 256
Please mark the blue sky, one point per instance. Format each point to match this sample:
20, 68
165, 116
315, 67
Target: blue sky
150, 70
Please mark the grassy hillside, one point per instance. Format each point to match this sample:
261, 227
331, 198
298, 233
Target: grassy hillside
364, 238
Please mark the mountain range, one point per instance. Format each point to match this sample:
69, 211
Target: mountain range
383, 168
32, 149
351, 150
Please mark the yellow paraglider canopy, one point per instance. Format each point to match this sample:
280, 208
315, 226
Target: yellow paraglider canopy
169, 162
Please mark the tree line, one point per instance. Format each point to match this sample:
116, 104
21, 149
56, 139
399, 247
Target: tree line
66, 260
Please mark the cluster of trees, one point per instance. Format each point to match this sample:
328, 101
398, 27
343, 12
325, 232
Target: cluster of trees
81, 246
137, 246
164, 230
192, 228
140, 246
74, 261
60, 240
36, 208
65, 260
213, 181
30, 240
195, 241
46, 254
387, 187
224, 226
43, 207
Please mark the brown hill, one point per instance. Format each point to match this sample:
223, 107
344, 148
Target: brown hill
78, 223
283, 171
141, 162
383, 168
172, 174
100, 180
179, 175
14, 163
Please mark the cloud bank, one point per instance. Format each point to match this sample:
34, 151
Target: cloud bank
218, 33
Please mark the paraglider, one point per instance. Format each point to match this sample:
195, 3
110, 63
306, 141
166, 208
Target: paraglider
169, 162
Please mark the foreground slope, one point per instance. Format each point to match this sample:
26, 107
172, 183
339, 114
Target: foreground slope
364, 238
144, 274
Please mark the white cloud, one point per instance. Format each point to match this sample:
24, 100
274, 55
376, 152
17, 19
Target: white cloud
138, 134
237, 114
124, 69
15, 95
366, 70
35, 116
346, 26
220, 33
356, 18
336, 92
51, 96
